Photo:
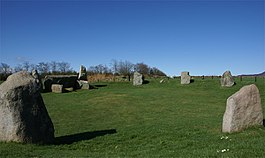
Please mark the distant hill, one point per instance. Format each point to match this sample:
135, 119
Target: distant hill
260, 74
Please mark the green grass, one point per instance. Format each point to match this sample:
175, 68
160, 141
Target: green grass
152, 120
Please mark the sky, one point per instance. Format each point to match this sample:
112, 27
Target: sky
203, 37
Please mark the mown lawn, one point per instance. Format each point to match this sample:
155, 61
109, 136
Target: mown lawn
152, 120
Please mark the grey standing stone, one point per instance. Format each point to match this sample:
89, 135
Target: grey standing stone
243, 109
83, 84
185, 77
36, 75
23, 115
82, 73
57, 88
67, 81
227, 80
137, 79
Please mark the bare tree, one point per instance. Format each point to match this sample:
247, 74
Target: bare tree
43, 67
156, 72
32, 67
114, 66
106, 70
142, 68
26, 66
64, 67
125, 68
98, 69
18, 68
5, 69
54, 66
91, 70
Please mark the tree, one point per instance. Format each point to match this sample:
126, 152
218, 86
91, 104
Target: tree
125, 68
32, 67
5, 71
98, 69
18, 68
156, 72
26, 66
114, 66
5, 68
54, 66
43, 68
142, 68
64, 67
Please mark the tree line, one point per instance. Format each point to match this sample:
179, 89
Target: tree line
124, 68
43, 68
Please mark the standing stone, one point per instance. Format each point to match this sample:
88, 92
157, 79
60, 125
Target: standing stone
57, 88
82, 73
67, 81
185, 77
83, 84
23, 115
243, 109
137, 79
227, 79
36, 75
47, 84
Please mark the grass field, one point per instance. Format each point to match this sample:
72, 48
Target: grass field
152, 120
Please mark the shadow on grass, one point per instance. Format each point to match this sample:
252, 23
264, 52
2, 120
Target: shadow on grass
146, 82
264, 122
98, 86
69, 139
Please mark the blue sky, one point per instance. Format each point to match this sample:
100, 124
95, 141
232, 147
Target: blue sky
202, 37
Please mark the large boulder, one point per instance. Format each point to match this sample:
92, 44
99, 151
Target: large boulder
57, 88
36, 75
23, 115
84, 84
185, 77
227, 80
243, 109
67, 81
82, 73
137, 79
